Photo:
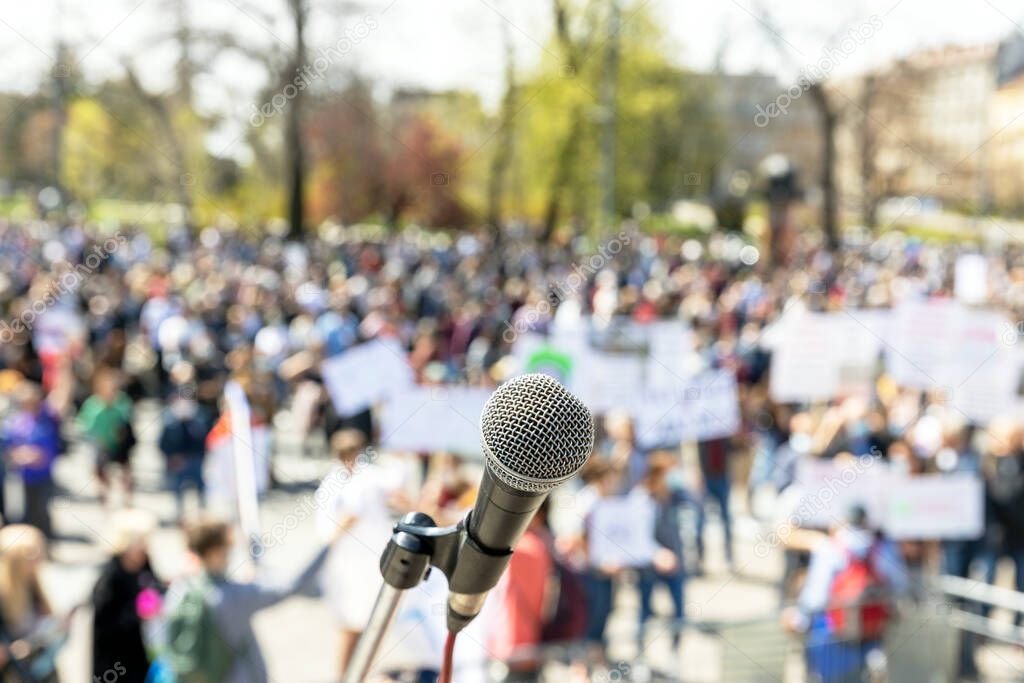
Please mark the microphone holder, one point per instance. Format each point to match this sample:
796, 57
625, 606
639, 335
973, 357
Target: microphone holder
416, 545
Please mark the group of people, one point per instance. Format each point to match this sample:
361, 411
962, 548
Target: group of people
94, 324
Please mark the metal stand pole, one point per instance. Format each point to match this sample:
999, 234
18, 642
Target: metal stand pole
415, 544
380, 619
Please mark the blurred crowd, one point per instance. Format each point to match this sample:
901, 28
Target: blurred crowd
93, 323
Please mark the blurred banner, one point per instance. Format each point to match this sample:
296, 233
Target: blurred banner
366, 374
928, 506
434, 419
968, 355
621, 531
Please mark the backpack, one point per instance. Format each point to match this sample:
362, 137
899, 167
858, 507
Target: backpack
567, 621
858, 589
196, 649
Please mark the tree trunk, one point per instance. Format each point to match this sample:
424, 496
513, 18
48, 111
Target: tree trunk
293, 127
161, 111
185, 68
503, 154
868, 171
828, 118
566, 159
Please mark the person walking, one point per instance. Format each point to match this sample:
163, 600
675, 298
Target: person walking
31, 441
667, 567
360, 495
209, 624
183, 443
105, 420
30, 634
117, 635
855, 577
714, 468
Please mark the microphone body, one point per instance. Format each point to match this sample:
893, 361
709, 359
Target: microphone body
535, 435
497, 522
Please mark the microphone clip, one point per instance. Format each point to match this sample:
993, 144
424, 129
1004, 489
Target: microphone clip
417, 544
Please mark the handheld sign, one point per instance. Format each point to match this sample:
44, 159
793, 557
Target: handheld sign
244, 458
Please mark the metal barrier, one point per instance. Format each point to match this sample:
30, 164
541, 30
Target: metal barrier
919, 646
958, 630
916, 648
986, 643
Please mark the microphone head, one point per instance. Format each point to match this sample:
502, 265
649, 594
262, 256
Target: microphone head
535, 434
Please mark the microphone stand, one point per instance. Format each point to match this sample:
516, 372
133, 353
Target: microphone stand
416, 545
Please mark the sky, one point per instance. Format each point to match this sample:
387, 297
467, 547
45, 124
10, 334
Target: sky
442, 44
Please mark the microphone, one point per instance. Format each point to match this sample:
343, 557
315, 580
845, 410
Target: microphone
535, 435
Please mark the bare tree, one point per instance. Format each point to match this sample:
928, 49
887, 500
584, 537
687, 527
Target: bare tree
574, 49
293, 140
828, 118
162, 112
891, 138
868, 152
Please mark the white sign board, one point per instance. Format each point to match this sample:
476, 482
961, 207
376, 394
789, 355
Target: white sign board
702, 408
931, 506
434, 419
941, 345
935, 506
970, 278
819, 356
244, 456
606, 381
613, 363
831, 490
365, 375
620, 531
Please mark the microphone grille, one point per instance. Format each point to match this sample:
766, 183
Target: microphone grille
535, 434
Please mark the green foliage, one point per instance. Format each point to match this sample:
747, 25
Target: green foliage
666, 130
423, 157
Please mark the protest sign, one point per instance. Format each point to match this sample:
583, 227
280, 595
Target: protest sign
830, 490
433, 419
621, 531
934, 506
970, 278
704, 407
245, 465
804, 364
610, 364
365, 375
818, 356
931, 506
941, 345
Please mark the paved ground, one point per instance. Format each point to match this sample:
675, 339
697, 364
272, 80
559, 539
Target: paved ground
299, 638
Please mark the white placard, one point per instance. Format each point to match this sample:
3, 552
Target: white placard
970, 278
670, 353
244, 457
830, 491
365, 375
434, 419
805, 362
606, 381
924, 337
704, 407
941, 345
935, 506
930, 506
819, 356
620, 531
613, 365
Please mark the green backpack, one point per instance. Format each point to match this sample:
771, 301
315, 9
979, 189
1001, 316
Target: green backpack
197, 651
